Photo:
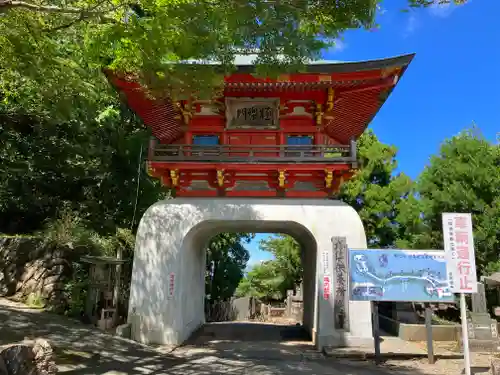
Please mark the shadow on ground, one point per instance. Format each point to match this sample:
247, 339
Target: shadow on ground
82, 350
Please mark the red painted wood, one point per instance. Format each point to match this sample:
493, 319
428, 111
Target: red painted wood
200, 166
358, 96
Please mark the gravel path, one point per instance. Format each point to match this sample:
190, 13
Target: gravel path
82, 350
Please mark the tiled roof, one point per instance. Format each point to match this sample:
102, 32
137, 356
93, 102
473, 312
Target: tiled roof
361, 88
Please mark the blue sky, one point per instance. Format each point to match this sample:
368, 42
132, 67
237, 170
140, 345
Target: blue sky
453, 81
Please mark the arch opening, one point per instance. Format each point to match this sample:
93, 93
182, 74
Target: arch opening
194, 247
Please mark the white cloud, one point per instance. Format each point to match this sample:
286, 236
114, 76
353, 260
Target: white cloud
381, 11
441, 9
254, 262
411, 25
444, 9
339, 46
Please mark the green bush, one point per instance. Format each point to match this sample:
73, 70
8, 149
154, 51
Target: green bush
70, 233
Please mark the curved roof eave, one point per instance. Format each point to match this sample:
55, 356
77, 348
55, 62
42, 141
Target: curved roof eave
245, 64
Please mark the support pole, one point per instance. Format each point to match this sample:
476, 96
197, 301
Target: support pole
465, 336
117, 286
376, 332
428, 328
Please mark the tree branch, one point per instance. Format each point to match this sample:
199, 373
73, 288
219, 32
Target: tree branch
81, 18
11, 4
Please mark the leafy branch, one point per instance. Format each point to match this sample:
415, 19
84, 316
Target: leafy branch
6, 5
12, 4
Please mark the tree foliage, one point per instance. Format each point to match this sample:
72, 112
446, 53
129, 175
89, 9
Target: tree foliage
271, 279
227, 258
463, 177
90, 165
53, 52
377, 193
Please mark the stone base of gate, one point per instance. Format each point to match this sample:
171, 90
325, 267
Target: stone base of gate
167, 288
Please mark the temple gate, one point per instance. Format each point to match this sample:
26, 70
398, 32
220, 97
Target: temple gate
226, 158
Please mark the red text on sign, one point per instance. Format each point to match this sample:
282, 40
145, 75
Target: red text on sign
326, 287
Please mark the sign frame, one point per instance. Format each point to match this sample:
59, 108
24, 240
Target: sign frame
233, 105
171, 287
436, 287
458, 243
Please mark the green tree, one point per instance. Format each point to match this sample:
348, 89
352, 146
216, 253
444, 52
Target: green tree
377, 193
88, 165
287, 259
264, 281
463, 177
227, 258
271, 279
53, 52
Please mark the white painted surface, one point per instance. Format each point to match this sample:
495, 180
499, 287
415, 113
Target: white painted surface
459, 250
172, 237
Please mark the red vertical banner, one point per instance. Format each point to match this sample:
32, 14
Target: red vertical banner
171, 285
460, 256
327, 287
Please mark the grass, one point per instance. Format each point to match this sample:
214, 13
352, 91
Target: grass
35, 301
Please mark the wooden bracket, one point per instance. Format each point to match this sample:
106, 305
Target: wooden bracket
220, 177
174, 176
281, 179
186, 112
328, 178
319, 114
330, 100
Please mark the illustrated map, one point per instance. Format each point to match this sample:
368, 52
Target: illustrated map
398, 275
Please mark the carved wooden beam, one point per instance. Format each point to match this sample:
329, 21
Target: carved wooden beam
174, 176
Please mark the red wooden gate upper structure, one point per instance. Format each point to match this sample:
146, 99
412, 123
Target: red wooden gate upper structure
294, 136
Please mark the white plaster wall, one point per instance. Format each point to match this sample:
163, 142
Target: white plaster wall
172, 236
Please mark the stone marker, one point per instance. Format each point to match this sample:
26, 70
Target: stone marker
479, 300
482, 332
495, 365
123, 330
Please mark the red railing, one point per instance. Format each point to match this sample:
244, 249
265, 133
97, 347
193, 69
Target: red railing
332, 154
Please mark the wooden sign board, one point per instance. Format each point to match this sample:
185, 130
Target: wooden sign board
262, 113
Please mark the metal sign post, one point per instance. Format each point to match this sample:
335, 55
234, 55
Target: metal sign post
461, 267
465, 334
428, 328
376, 331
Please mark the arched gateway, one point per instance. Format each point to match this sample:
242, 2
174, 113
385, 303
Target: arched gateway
172, 238
290, 137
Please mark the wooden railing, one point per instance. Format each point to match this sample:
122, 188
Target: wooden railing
331, 154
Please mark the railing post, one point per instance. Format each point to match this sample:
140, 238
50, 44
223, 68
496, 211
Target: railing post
354, 153
152, 146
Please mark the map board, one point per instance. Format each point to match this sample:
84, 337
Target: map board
398, 276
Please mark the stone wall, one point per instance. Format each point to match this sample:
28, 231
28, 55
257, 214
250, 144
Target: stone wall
34, 358
27, 266
418, 332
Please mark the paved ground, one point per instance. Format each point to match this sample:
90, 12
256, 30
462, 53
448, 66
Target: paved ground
219, 349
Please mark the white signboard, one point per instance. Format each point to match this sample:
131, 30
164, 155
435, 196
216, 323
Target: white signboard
327, 281
459, 249
171, 285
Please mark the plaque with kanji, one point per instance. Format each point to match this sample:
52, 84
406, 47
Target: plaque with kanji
252, 113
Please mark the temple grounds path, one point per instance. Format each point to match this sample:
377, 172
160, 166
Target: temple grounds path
247, 348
